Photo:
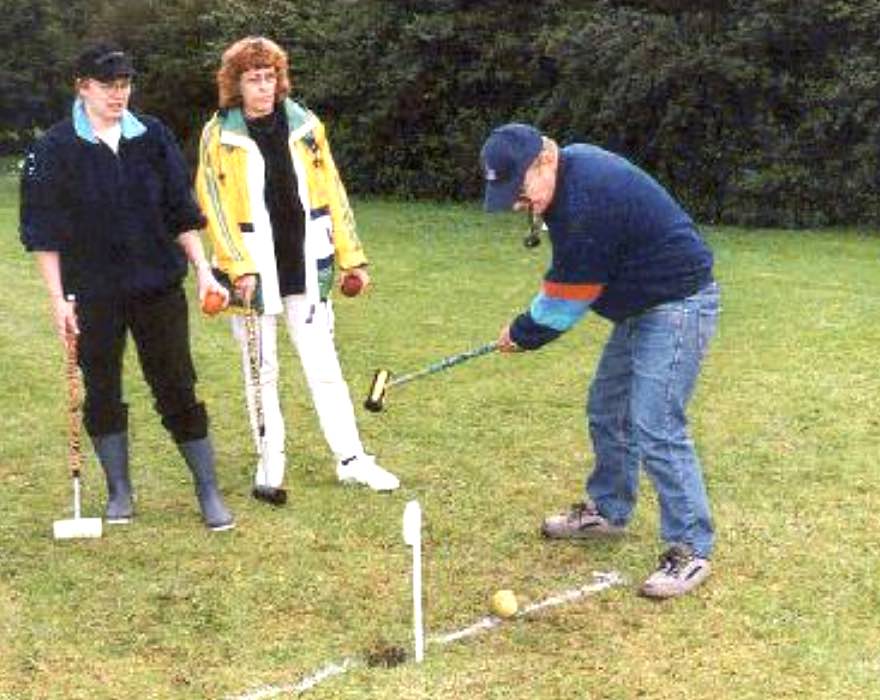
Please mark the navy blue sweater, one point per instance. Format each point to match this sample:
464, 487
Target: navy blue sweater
112, 217
611, 224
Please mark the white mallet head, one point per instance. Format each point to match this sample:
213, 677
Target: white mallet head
77, 528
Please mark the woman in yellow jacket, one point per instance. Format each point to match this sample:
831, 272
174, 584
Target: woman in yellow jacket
279, 221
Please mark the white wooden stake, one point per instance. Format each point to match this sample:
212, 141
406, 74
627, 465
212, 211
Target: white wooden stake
412, 535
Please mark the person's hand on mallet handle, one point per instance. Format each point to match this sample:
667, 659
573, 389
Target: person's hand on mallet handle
245, 287
354, 282
505, 343
64, 314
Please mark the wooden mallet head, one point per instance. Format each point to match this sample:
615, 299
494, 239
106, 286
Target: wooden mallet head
376, 399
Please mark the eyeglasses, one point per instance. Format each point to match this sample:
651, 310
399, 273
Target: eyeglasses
116, 85
258, 78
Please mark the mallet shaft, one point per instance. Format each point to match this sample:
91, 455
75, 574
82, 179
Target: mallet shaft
383, 379
250, 325
445, 363
74, 406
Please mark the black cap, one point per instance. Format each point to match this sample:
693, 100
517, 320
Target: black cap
104, 62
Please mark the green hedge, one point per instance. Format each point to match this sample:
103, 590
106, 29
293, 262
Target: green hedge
753, 112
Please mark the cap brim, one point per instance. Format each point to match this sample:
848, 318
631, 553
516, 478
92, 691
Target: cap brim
114, 74
501, 196
111, 70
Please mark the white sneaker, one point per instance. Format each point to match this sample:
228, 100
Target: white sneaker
582, 521
362, 469
679, 572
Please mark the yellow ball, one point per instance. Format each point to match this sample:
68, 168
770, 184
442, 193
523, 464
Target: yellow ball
504, 603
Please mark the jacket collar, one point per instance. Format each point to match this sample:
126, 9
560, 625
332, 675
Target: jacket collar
552, 212
233, 127
132, 127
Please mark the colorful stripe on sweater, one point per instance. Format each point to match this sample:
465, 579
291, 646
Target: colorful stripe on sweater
555, 309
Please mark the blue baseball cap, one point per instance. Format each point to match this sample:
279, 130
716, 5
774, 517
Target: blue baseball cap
505, 157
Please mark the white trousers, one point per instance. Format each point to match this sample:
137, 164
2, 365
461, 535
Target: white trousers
310, 328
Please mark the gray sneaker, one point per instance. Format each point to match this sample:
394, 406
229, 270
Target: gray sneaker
679, 572
582, 521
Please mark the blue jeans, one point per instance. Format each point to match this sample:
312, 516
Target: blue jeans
636, 413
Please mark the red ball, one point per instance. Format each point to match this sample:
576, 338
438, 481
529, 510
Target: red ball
213, 303
351, 285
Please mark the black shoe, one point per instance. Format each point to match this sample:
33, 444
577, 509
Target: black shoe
269, 494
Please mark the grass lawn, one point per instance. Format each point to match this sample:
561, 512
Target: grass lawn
786, 419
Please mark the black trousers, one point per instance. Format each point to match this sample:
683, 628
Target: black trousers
160, 328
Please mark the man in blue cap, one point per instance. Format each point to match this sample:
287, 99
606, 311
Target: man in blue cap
623, 247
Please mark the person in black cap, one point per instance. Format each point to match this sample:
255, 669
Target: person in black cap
624, 248
107, 210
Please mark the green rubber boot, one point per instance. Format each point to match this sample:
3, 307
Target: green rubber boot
112, 451
199, 456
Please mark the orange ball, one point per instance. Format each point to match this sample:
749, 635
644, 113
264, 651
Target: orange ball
213, 303
351, 285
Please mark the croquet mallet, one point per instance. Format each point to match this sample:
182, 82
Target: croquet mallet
383, 380
77, 526
250, 328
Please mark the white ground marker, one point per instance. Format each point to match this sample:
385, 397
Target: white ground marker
412, 535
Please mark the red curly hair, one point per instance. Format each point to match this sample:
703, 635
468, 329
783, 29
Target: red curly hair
247, 54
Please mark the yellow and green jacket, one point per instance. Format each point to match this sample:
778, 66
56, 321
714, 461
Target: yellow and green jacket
229, 186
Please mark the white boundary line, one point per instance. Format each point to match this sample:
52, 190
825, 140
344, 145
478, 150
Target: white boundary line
331, 670
601, 581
